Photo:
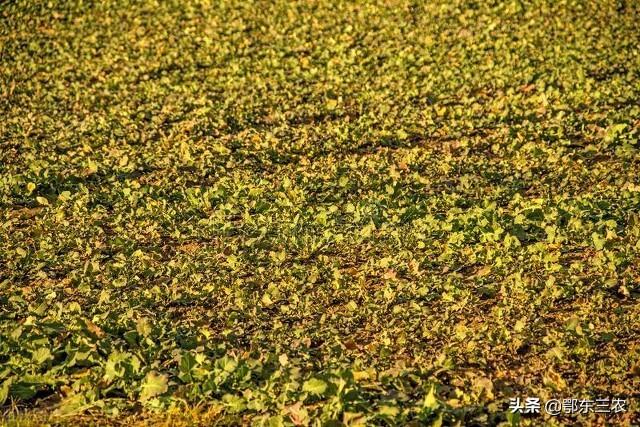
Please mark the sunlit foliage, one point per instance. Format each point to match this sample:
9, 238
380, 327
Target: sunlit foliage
293, 213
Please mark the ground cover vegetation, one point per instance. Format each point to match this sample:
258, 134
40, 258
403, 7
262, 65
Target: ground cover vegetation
317, 212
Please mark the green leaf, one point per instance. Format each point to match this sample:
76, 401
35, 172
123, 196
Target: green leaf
154, 384
72, 405
613, 131
234, 403
227, 364
314, 386
276, 421
41, 355
187, 363
4, 390
598, 241
23, 390
114, 368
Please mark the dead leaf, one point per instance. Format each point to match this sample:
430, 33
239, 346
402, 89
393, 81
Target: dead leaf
93, 328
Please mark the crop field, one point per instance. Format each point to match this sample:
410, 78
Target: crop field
318, 212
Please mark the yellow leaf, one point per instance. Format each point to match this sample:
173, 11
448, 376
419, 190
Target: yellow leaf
266, 300
390, 411
484, 385
92, 168
154, 384
283, 359
484, 271
430, 400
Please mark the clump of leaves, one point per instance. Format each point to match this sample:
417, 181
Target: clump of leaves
320, 212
